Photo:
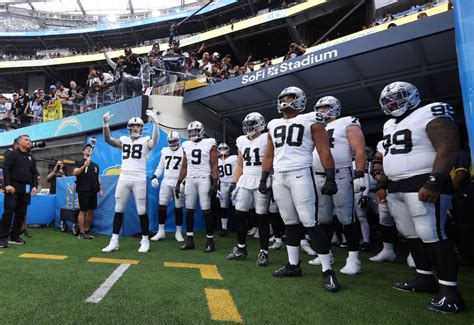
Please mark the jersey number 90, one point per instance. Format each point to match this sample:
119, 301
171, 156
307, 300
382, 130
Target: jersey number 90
292, 136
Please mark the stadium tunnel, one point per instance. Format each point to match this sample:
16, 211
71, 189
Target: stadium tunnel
422, 52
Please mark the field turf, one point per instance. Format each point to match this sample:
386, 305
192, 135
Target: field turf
43, 291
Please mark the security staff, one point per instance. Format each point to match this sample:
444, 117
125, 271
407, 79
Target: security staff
87, 186
21, 180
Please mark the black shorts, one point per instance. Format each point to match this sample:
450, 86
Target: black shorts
87, 201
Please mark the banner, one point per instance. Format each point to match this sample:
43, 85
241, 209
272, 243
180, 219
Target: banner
81, 123
464, 27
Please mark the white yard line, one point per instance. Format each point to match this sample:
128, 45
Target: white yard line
100, 293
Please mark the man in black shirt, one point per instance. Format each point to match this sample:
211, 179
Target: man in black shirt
57, 172
87, 186
21, 180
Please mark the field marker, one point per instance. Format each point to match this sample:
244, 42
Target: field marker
104, 288
44, 256
112, 260
208, 271
221, 305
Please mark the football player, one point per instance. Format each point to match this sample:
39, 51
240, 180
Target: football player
200, 170
170, 164
135, 150
289, 151
420, 148
226, 166
251, 149
345, 137
361, 205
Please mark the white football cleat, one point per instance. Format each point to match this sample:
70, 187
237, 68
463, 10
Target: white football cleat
305, 247
410, 261
179, 237
384, 256
252, 231
256, 235
144, 246
277, 245
112, 246
272, 239
160, 235
352, 267
317, 260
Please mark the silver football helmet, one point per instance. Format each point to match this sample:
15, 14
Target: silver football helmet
254, 122
334, 106
223, 149
173, 140
195, 131
299, 103
133, 132
399, 97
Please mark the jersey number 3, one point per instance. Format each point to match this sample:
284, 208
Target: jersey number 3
134, 151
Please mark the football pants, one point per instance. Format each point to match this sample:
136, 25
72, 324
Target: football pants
197, 188
122, 194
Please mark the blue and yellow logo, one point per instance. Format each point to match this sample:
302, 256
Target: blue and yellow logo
68, 122
112, 170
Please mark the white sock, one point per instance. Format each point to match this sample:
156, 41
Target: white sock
387, 246
325, 261
115, 237
241, 246
161, 228
190, 233
365, 228
178, 228
344, 239
293, 254
353, 255
209, 236
266, 252
224, 223
278, 240
144, 237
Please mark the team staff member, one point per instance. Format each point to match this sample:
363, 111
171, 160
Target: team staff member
87, 186
20, 179
57, 172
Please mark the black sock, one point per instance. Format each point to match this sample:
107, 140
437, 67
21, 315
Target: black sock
277, 225
251, 219
178, 213
189, 220
263, 223
209, 221
420, 254
144, 223
444, 260
329, 231
319, 242
353, 236
293, 235
162, 210
118, 220
389, 234
241, 226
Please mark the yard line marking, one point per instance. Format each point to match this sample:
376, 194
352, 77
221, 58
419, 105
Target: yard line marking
44, 256
112, 260
104, 288
221, 305
208, 271
2, 252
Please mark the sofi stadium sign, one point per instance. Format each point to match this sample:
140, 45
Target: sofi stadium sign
289, 66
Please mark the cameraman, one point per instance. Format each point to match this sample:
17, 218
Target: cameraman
21, 180
57, 172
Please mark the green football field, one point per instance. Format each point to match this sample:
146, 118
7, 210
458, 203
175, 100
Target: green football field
169, 286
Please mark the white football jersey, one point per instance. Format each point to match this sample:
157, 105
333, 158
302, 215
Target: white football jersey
292, 141
252, 152
226, 168
340, 147
406, 147
198, 155
134, 156
170, 165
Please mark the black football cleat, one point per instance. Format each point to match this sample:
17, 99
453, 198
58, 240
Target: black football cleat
237, 254
422, 283
262, 259
288, 271
447, 303
330, 281
188, 243
210, 247
3, 243
16, 240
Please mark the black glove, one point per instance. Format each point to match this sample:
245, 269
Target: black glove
262, 187
177, 189
232, 187
364, 201
330, 186
213, 189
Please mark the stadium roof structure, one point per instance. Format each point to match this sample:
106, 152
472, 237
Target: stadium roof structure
422, 52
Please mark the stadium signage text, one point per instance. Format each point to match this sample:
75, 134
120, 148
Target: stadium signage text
290, 66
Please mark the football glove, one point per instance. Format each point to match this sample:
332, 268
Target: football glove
330, 186
232, 187
363, 201
154, 182
213, 189
177, 189
152, 116
106, 118
359, 182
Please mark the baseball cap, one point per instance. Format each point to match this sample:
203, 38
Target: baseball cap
52, 87
216, 54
